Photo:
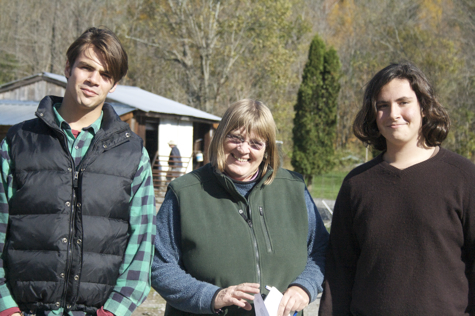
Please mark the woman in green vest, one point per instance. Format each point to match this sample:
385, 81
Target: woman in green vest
237, 225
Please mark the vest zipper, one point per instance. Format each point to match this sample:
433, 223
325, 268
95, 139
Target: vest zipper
71, 221
254, 241
69, 259
258, 267
264, 228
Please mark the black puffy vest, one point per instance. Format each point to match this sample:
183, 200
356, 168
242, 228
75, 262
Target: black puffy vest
68, 226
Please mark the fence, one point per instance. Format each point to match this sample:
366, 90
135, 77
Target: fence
164, 170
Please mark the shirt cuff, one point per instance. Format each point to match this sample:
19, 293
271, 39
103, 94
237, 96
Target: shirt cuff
303, 288
11, 311
100, 312
214, 311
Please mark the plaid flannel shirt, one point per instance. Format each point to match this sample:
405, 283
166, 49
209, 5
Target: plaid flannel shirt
133, 283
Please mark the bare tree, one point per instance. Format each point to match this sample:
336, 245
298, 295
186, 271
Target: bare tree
38, 33
205, 38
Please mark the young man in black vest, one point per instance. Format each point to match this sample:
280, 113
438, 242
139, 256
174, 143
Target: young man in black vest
76, 200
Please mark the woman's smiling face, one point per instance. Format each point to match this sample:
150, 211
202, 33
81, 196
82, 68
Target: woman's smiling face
243, 154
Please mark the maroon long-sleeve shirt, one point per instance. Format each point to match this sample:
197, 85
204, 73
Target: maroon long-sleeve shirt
402, 242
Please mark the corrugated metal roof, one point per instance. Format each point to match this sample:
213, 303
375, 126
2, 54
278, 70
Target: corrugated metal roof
14, 112
147, 101
121, 108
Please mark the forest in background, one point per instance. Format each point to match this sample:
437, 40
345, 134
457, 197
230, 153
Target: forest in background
210, 53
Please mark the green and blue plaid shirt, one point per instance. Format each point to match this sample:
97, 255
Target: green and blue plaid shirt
133, 283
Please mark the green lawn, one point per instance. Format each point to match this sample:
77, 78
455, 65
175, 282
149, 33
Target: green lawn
327, 186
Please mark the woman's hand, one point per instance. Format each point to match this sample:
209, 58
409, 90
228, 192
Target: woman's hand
295, 299
236, 295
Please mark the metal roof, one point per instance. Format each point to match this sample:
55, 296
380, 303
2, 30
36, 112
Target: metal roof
133, 97
14, 112
149, 102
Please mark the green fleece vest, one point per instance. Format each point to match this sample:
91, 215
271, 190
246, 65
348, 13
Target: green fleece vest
227, 240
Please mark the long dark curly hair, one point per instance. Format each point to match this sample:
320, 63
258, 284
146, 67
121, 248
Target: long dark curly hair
435, 120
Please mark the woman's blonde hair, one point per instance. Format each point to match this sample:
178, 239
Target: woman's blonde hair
254, 117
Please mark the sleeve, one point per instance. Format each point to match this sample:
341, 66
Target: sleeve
169, 278
310, 280
6, 191
469, 240
133, 283
342, 256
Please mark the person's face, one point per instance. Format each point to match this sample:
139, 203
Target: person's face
243, 154
88, 81
399, 117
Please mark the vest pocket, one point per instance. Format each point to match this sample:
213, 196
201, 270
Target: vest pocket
264, 229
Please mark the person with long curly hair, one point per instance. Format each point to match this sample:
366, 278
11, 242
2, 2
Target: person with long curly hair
402, 240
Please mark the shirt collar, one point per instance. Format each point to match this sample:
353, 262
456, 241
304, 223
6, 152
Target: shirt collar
64, 125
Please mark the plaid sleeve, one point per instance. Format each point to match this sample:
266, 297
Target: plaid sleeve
6, 191
133, 284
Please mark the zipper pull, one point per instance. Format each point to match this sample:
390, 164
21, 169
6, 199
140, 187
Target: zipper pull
243, 215
75, 179
260, 211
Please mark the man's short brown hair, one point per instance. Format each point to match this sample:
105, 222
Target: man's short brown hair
108, 45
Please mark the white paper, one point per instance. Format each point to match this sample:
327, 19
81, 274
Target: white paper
272, 301
270, 305
259, 306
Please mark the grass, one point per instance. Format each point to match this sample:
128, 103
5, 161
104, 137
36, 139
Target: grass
327, 186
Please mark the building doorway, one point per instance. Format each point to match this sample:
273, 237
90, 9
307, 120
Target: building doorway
151, 138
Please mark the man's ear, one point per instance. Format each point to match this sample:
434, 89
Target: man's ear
67, 70
113, 88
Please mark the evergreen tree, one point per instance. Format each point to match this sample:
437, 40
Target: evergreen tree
314, 129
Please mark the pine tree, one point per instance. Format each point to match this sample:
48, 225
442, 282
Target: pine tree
314, 129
